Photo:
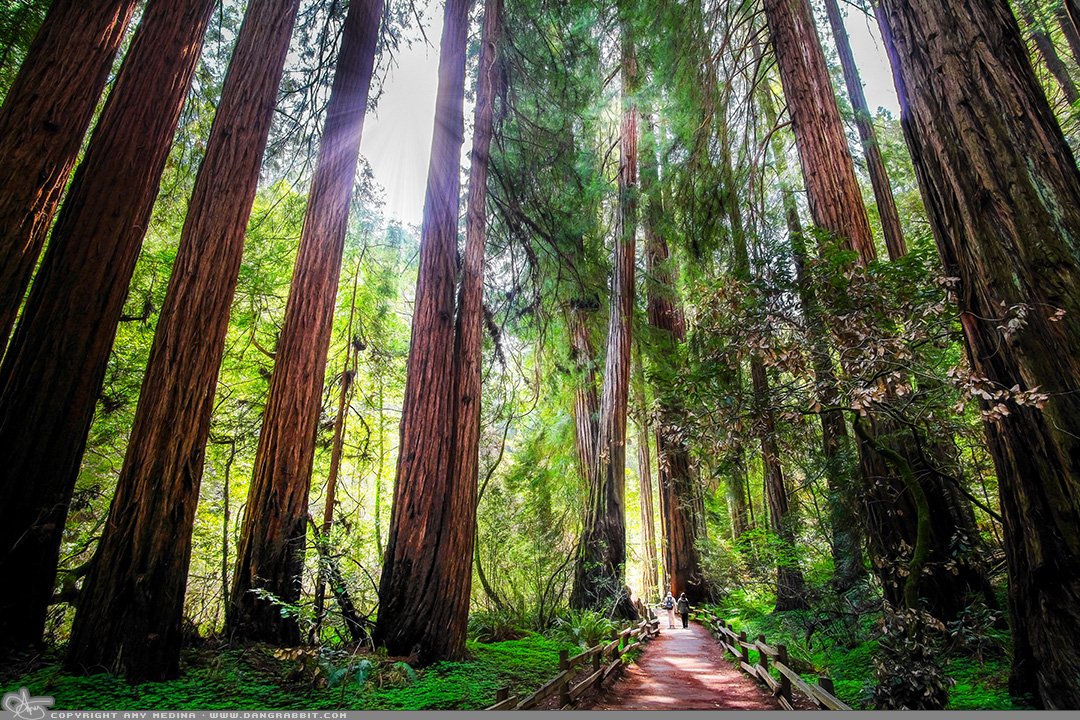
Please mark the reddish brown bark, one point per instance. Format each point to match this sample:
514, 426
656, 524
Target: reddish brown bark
875, 165
42, 123
143, 559
676, 483
55, 366
427, 572
270, 553
600, 570
836, 202
1003, 196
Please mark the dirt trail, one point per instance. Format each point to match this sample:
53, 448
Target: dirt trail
683, 669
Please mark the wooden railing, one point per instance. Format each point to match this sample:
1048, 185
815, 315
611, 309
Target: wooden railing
606, 658
776, 658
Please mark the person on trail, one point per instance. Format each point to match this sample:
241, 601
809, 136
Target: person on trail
669, 605
684, 610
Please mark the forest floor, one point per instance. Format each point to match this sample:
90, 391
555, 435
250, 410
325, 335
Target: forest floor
683, 669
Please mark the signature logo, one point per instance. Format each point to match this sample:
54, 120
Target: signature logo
26, 706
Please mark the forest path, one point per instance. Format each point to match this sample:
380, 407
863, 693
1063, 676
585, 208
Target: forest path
683, 669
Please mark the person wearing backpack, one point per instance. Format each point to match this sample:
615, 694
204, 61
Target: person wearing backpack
684, 610
669, 605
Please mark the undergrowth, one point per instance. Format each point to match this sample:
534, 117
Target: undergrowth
259, 678
843, 646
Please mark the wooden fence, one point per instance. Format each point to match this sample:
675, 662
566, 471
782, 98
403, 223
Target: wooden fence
776, 658
606, 658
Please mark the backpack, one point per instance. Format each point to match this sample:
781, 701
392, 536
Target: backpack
668, 603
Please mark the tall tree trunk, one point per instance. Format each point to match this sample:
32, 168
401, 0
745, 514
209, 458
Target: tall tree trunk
1044, 45
131, 615
650, 585
1068, 28
889, 512
427, 573
348, 374
875, 165
665, 314
738, 511
270, 553
1004, 204
42, 124
836, 203
790, 586
54, 369
599, 573
1072, 9
586, 398
841, 470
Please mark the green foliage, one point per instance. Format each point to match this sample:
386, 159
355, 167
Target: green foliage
259, 678
584, 628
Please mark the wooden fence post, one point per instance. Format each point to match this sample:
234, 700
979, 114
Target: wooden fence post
763, 657
596, 658
564, 664
744, 653
826, 684
785, 682
502, 694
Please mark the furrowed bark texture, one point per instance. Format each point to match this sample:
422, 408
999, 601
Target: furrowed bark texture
43, 121
154, 509
599, 574
1003, 196
427, 573
875, 165
836, 202
53, 370
270, 554
889, 513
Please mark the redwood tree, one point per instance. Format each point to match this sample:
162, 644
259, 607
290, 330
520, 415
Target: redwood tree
1003, 196
427, 570
270, 554
43, 120
53, 371
875, 165
131, 619
665, 313
600, 568
836, 203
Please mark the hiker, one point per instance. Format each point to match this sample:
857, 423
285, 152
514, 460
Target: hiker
669, 605
684, 610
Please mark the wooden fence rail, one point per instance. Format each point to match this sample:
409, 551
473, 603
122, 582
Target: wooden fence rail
770, 657
605, 657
